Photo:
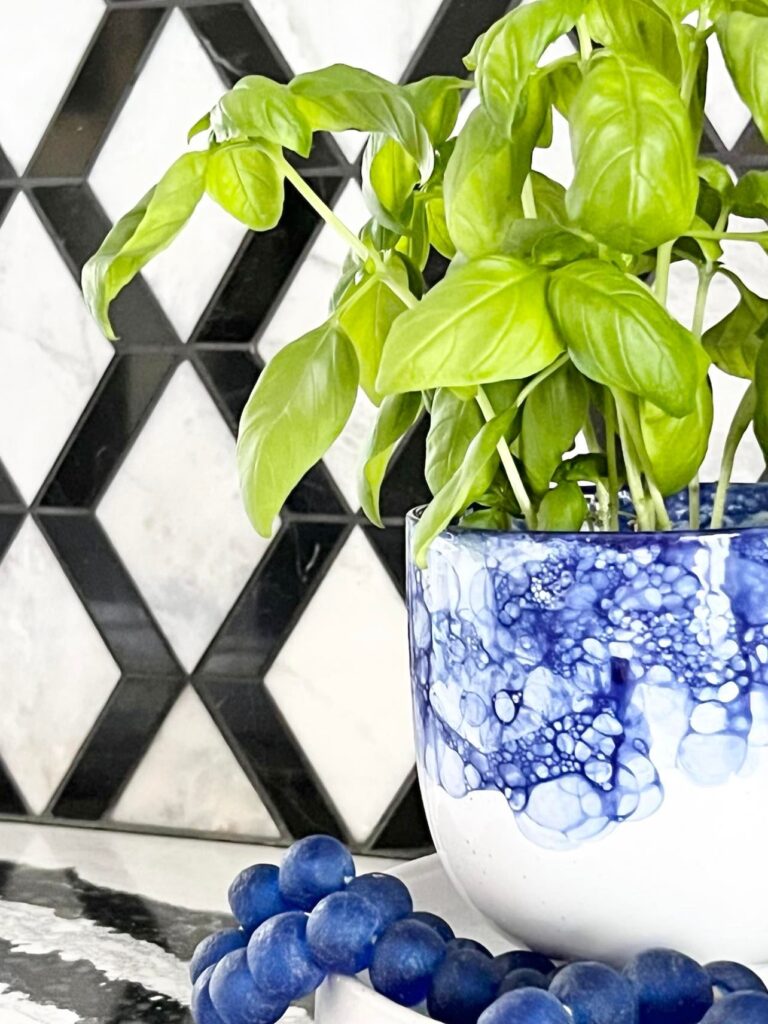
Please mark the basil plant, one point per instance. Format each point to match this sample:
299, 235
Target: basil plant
551, 321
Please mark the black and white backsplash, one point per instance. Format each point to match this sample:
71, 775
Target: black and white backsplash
161, 666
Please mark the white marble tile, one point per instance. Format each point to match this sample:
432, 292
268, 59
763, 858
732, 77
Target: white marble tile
189, 778
40, 47
305, 306
749, 261
725, 109
342, 683
556, 161
175, 516
52, 355
46, 638
176, 86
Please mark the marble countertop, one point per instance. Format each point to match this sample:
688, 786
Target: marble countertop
96, 927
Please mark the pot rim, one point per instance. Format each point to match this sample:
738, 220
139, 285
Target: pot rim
413, 515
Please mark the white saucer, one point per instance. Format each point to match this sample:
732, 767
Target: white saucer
352, 1001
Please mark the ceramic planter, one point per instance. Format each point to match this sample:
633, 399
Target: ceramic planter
591, 722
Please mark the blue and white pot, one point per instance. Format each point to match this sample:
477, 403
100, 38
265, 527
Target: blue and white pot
592, 731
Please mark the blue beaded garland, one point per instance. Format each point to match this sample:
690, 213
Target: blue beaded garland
279, 959
254, 896
472, 944
671, 988
739, 1008
212, 948
526, 1006
405, 960
313, 868
442, 927
235, 997
462, 987
388, 895
595, 994
523, 977
341, 932
727, 976
203, 1010
517, 959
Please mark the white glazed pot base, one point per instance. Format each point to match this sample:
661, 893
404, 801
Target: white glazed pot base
350, 1001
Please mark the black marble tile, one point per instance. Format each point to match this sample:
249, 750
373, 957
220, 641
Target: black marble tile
118, 741
11, 800
251, 718
6, 194
457, 24
78, 225
389, 545
127, 393
8, 493
273, 600
751, 148
97, 93
231, 377
407, 828
110, 596
405, 487
262, 268
6, 170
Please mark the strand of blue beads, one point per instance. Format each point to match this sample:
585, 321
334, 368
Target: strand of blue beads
312, 917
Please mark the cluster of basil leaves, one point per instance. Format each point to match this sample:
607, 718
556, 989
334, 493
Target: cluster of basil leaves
544, 326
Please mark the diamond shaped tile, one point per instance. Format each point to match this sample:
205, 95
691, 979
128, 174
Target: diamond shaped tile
189, 778
177, 84
175, 516
304, 306
36, 66
52, 355
46, 637
725, 109
341, 682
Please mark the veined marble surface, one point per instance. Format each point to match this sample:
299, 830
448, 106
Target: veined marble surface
98, 926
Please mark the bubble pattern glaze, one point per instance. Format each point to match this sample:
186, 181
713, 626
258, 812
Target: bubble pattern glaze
570, 672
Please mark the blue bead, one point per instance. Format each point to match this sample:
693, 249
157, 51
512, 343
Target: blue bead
523, 977
342, 931
203, 1010
442, 927
388, 894
462, 987
279, 959
522, 958
670, 987
235, 997
727, 976
404, 961
595, 994
472, 944
739, 1008
254, 896
526, 1006
212, 948
313, 868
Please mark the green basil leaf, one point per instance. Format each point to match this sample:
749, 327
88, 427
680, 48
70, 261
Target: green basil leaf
366, 317
437, 102
396, 416
553, 415
486, 519
707, 250
414, 244
564, 79
486, 321
510, 54
717, 176
389, 177
758, 7
340, 97
678, 9
437, 225
455, 496
557, 246
298, 408
245, 180
549, 197
591, 467
677, 446
619, 335
201, 125
563, 509
744, 41
761, 398
635, 183
482, 189
454, 424
141, 234
260, 108
751, 195
639, 28
733, 343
